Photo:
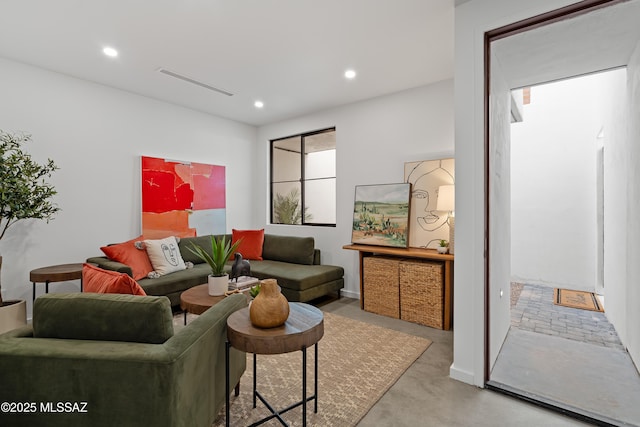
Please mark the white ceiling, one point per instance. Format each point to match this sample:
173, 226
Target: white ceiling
291, 54
597, 41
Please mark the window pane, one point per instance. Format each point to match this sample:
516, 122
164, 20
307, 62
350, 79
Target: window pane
320, 155
286, 203
286, 160
320, 201
321, 164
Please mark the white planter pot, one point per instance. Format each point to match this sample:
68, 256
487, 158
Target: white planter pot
442, 249
13, 316
218, 285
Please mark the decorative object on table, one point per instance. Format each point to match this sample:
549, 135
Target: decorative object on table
381, 215
427, 223
240, 267
447, 203
182, 199
270, 308
243, 283
442, 249
221, 250
24, 194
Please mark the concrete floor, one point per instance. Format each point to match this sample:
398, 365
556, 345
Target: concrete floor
426, 396
568, 357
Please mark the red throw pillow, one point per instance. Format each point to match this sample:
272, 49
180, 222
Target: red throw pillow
101, 281
128, 254
251, 245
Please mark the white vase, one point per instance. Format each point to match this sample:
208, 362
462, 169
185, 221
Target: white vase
218, 285
442, 249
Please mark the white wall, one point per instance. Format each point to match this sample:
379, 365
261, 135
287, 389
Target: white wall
96, 136
632, 335
554, 191
472, 19
373, 140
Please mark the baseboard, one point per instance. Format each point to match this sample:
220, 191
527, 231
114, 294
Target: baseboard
349, 294
462, 376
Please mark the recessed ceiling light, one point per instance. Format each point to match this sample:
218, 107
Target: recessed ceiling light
109, 51
258, 104
350, 74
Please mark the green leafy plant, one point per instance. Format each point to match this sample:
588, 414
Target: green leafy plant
443, 243
287, 210
254, 291
24, 192
221, 251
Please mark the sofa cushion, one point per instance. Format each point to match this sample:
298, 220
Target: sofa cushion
178, 281
186, 244
298, 250
127, 253
103, 317
296, 276
164, 255
101, 281
251, 244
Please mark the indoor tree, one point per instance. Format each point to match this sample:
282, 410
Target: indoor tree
24, 191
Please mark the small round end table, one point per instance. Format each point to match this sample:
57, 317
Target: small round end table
303, 328
55, 273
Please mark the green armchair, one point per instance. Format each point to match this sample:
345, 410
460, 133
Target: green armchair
114, 360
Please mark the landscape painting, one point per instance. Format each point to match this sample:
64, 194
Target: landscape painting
381, 215
181, 198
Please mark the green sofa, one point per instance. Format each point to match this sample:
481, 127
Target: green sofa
293, 261
114, 360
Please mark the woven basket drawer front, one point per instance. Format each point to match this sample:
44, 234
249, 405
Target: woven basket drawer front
422, 293
380, 281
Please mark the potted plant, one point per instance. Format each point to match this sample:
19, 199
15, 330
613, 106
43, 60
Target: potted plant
221, 251
24, 194
443, 246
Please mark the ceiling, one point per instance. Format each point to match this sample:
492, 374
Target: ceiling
290, 54
597, 41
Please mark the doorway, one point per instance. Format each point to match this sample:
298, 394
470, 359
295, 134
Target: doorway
577, 46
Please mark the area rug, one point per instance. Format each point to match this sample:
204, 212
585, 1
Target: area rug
358, 363
577, 299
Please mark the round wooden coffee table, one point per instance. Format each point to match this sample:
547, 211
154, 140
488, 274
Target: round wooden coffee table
55, 273
303, 328
197, 300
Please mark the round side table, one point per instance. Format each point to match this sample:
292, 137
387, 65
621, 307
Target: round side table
55, 273
303, 328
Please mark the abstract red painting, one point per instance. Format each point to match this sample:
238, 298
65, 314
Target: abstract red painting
182, 198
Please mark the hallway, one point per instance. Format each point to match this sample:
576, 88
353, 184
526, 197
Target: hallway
567, 357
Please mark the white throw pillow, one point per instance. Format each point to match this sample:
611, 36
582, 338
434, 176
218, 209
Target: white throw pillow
164, 255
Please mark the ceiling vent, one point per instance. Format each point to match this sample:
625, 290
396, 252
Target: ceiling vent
193, 81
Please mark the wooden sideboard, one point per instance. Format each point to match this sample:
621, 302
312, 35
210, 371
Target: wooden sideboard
415, 253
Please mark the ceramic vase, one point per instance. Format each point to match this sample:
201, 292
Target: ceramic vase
442, 249
270, 308
218, 285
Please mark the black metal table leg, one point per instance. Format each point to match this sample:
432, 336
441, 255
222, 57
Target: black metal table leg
304, 386
185, 317
315, 381
34, 292
255, 382
46, 287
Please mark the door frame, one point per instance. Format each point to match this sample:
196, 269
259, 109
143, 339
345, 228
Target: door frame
512, 29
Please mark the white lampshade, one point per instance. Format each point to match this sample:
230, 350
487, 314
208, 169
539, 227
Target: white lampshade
446, 198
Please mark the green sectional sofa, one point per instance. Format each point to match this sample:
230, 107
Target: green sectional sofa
293, 261
114, 360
